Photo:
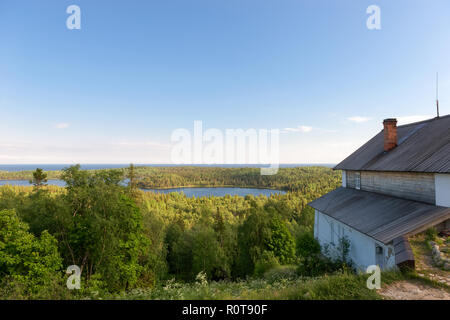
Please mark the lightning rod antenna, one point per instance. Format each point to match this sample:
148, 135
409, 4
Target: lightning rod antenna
437, 93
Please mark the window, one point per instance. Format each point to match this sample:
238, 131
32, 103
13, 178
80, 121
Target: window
332, 232
344, 179
379, 256
358, 180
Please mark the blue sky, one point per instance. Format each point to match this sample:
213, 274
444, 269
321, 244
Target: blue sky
114, 91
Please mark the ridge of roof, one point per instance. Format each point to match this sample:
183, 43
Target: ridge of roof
423, 146
422, 121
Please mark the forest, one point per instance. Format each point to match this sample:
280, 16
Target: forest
126, 240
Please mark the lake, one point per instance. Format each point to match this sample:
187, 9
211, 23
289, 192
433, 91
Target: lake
189, 192
25, 183
218, 192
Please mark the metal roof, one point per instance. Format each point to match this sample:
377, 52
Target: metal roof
381, 217
422, 147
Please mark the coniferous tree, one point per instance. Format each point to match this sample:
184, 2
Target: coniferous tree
39, 178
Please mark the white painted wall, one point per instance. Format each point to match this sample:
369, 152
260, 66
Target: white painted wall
344, 178
442, 187
362, 248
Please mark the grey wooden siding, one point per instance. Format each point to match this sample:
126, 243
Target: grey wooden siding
351, 179
407, 185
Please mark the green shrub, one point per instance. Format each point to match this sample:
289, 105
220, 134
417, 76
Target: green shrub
281, 241
343, 248
315, 260
94, 288
259, 233
312, 262
431, 234
307, 245
340, 286
281, 273
266, 262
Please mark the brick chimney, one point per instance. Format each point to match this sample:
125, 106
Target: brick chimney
390, 134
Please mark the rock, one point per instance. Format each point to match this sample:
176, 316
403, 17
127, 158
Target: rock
447, 266
436, 254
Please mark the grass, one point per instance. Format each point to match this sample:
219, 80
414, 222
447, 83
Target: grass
280, 285
339, 286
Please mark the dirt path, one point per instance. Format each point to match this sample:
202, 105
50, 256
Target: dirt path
424, 262
413, 290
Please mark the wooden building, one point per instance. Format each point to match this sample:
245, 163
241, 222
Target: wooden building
394, 186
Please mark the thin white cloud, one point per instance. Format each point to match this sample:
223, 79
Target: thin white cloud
84, 152
62, 125
358, 119
413, 118
125, 143
7, 145
303, 129
344, 144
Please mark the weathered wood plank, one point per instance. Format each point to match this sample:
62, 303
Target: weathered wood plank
407, 185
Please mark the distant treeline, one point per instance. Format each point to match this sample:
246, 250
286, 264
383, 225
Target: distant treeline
303, 179
294, 179
26, 175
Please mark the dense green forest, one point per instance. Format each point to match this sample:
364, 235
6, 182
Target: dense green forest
124, 239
